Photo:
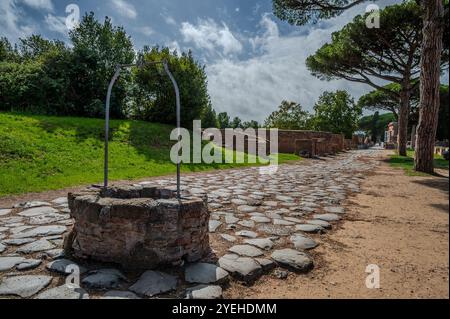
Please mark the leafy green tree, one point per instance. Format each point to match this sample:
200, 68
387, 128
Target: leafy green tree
336, 112
209, 117
390, 53
224, 120
289, 116
369, 124
300, 12
236, 123
97, 49
379, 100
375, 132
435, 19
7, 52
250, 124
36, 47
155, 98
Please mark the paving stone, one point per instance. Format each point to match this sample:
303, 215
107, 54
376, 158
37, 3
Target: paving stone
319, 222
309, 228
282, 222
302, 242
214, 225
31, 204
36, 246
230, 219
4, 212
242, 268
2, 248
246, 208
46, 219
41, 231
37, 211
153, 283
203, 273
29, 264
334, 210
60, 266
18, 242
7, 263
23, 286
261, 219
275, 230
247, 223
64, 292
293, 259
228, 238
246, 234
266, 264
104, 279
293, 220
327, 217
263, 243
239, 202
246, 250
55, 253
204, 292
115, 294
60, 201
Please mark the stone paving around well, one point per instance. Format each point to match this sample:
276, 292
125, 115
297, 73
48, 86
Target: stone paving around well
259, 224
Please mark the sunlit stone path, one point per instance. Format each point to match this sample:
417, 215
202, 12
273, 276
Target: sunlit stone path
260, 224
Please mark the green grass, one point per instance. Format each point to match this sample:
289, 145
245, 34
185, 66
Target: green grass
39, 153
407, 163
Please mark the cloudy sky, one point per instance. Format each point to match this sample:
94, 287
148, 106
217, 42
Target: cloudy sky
253, 60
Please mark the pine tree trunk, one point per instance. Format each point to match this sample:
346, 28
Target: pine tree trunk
402, 138
429, 84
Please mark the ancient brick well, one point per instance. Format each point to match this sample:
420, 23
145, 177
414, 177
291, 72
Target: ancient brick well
138, 227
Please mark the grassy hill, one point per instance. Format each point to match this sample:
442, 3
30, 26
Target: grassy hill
39, 153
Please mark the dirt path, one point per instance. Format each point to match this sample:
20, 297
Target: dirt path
399, 223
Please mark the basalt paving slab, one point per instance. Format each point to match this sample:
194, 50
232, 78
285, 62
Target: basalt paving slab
265, 214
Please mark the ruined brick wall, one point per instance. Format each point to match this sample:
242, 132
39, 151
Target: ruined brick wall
295, 142
324, 142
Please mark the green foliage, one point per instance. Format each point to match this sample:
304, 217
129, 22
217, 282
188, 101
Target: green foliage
376, 125
155, 95
407, 163
224, 120
250, 124
40, 153
337, 113
300, 12
391, 53
380, 100
236, 123
97, 49
209, 117
289, 116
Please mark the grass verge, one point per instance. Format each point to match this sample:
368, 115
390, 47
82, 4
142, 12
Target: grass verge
40, 153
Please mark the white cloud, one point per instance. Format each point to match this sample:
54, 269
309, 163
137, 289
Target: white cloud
207, 34
40, 4
170, 20
253, 88
11, 22
146, 30
125, 9
57, 24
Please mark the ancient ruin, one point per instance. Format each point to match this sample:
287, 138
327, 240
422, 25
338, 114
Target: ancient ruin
139, 227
